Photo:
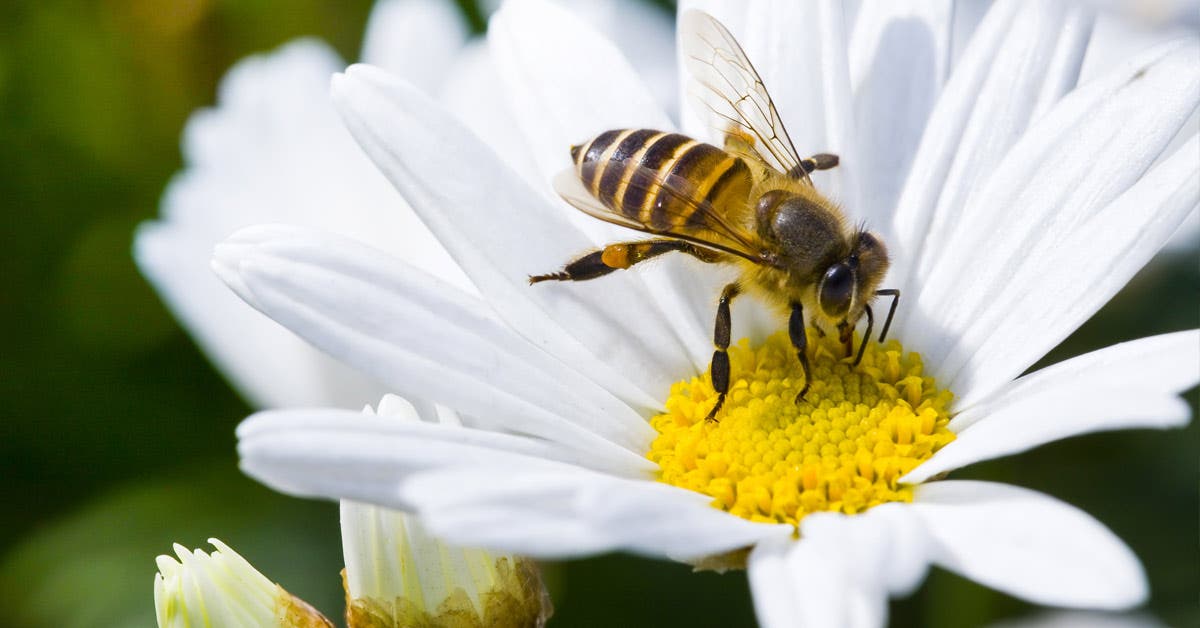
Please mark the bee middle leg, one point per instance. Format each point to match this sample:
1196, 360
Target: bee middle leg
622, 255
799, 337
719, 367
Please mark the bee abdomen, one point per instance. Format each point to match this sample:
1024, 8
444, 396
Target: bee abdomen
627, 170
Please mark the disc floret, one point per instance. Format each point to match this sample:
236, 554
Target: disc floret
842, 449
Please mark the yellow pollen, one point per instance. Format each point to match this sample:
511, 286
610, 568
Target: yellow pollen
842, 449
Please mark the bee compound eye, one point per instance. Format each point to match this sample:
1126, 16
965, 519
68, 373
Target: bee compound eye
837, 290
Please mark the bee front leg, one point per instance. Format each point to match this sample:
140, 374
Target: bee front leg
799, 336
719, 367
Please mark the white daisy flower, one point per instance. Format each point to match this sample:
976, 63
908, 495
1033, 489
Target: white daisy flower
224, 589
397, 574
1015, 204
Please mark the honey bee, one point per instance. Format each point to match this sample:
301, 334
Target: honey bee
750, 204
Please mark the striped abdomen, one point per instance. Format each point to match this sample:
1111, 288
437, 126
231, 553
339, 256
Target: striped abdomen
626, 169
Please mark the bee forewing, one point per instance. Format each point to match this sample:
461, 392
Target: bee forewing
686, 218
729, 95
568, 186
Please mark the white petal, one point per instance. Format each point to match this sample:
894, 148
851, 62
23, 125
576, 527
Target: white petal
769, 570
1029, 545
366, 459
420, 336
1051, 270
415, 39
891, 543
645, 34
1024, 54
540, 49
1114, 40
274, 150
801, 51
967, 17
1126, 386
318, 452
1164, 364
500, 231
470, 94
559, 511
830, 577
484, 489
899, 59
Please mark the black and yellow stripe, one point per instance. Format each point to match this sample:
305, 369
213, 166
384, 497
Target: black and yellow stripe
626, 170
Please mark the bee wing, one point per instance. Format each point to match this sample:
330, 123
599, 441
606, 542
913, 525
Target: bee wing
686, 218
730, 96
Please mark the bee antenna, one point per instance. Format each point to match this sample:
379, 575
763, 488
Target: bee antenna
862, 348
895, 294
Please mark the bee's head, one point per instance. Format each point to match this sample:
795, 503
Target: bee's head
848, 285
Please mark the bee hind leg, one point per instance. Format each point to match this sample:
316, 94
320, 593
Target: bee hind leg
589, 266
719, 367
799, 337
622, 255
820, 161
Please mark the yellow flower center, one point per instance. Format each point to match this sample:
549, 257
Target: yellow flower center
842, 449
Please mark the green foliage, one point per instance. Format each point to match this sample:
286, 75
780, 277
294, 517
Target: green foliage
95, 567
117, 436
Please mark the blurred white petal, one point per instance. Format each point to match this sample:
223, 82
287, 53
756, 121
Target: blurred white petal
416, 39
273, 150
247, 163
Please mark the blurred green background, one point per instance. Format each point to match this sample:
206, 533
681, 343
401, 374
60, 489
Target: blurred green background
117, 436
